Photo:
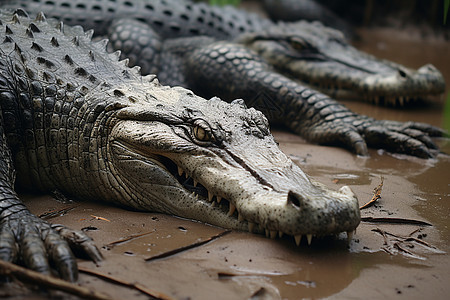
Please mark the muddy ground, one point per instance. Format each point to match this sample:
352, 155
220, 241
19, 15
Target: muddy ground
381, 261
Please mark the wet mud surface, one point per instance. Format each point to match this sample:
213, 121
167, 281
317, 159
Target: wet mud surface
179, 259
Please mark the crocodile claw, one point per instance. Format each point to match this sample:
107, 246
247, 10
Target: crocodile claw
357, 133
79, 242
38, 244
412, 138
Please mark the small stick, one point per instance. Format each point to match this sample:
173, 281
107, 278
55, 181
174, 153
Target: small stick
10, 269
136, 286
395, 221
100, 218
128, 238
376, 195
56, 212
184, 248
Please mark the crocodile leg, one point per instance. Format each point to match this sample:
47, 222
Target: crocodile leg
24, 235
137, 42
239, 73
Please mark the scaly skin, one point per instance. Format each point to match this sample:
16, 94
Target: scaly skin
309, 52
321, 58
240, 73
76, 119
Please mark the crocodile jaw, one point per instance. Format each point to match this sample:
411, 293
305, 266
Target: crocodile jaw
320, 57
245, 186
393, 86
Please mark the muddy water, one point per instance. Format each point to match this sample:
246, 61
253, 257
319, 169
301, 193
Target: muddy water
241, 265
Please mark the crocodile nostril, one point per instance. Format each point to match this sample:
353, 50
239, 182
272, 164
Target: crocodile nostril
295, 199
402, 73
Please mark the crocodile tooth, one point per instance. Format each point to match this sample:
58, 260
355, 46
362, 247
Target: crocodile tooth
251, 226
273, 234
186, 175
240, 217
349, 236
309, 238
210, 196
280, 234
298, 238
195, 183
218, 199
232, 209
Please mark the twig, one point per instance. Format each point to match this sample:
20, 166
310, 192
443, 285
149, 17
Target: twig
383, 234
100, 218
128, 238
56, 212
405, 252
376, 195
408, 238
136, 286
10, 269
395, 221
184, 248
415, 231
396, 244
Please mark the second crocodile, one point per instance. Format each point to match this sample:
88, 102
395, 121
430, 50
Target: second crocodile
318, 56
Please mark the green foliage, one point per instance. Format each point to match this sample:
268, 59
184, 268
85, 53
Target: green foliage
230, 2
446, 6
446, 124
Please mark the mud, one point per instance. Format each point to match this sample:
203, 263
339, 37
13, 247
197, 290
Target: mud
413, 264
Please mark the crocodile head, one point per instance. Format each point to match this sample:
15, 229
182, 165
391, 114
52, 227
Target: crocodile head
217, 162
321, 58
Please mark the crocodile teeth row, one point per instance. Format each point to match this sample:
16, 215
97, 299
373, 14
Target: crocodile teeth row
298, 239
251, 226
393, 100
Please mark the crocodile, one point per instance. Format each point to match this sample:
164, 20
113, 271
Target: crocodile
311, 53
76, 119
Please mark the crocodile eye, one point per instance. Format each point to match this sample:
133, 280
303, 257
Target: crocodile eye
297, 43
201, 134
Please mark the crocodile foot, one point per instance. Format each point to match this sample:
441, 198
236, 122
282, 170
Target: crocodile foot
357, 133
37, 244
